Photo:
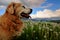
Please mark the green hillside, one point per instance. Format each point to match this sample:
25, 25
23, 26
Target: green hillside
55, 21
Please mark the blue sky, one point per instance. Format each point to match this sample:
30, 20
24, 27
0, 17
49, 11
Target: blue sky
44, 7
55, 5
2, 11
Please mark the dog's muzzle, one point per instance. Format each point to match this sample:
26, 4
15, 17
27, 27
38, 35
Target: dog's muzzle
26, 15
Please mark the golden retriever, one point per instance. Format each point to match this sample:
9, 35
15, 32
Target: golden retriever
10, 23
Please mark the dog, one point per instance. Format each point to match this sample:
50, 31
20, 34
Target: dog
10, 23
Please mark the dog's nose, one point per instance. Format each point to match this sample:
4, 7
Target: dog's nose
30, 11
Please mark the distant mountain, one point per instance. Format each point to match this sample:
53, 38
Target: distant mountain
44, 19
53, 19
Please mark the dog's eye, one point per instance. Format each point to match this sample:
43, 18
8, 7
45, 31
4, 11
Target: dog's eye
23, 6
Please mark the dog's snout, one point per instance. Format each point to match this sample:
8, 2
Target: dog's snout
30, 11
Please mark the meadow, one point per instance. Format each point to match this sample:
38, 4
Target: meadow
40, 31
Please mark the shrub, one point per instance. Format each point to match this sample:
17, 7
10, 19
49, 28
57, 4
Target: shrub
40, 31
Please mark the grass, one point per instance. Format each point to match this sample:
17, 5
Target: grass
40, 31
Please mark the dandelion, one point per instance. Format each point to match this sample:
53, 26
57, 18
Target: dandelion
26, 28
27, 35
39, 28
51, 30
56, 33
59, 32
45, 36
36, 37
47, 28
22, 31
34, 31
47, 32
43, 26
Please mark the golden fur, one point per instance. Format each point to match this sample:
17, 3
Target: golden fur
10, 24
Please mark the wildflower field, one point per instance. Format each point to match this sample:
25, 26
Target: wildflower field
40, 31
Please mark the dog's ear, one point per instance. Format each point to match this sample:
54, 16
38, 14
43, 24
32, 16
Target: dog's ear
10, 8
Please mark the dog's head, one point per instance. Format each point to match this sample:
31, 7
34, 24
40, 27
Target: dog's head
19, 10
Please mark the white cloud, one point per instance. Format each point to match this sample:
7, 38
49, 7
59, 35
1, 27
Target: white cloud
47, 6
46, 14
2, 7
29, 3
6, 2
32, 3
